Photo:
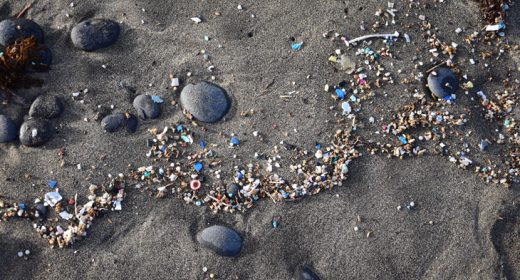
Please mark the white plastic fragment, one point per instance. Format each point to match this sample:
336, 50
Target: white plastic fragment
175, 82
407, 38
196, 19
51, 198
395, 34
66, 215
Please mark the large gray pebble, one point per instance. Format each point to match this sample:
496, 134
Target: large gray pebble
113, 122
220, 239
93, 34
304, 273
443, 82
207, 102
8, 130
146, 107
12, 29
35, 132
15, 112
46, 107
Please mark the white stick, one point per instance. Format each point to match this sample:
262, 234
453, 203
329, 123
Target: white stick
396, 34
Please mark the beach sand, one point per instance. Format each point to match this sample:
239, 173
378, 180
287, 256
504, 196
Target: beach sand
460, 228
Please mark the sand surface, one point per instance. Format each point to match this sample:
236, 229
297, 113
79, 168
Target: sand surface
461, 227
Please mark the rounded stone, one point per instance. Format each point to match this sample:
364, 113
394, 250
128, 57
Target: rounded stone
146, 107
12, 29
221, 240
46, 107
233, 189
35, 132
94, 34
42, 211
41, 59
443, 82
304, 273
207, 102
113, 122
131, 123
8, 130
15, 112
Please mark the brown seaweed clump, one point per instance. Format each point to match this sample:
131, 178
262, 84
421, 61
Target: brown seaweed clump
493, 10
14, 61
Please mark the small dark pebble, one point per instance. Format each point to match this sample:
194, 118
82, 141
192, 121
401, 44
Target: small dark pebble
113, 122
146, 107
101, 112
15, 112
207, 102
46, 107
220, 239
443, 82
304, 273
131, 123
35, 132
94, 34
12, 29
41, 59
149, 143
233, 189
42, 211
8, 130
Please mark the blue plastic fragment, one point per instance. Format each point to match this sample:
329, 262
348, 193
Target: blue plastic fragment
403, 139
198, 166
353, 98
240, 176
318, 146
202, 144
235, 141
346, 107
297, 46
186, 139
179, 128
157, 99
52, 184
340, 93
439, 118
22, 206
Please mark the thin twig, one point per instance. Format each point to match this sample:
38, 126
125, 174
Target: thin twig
24, 10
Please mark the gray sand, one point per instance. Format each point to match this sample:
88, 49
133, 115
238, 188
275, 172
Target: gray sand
474, 232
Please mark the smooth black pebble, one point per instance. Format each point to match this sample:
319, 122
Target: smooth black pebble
443, 82
8, 130
131, 123
207, 102
113, 122
221, 240
12, 29
46, 107
35, 132
146, 107
304, 273
42, 211
232, 189
41, 59
94, 34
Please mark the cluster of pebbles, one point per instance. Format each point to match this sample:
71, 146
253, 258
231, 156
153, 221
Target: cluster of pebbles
37, 129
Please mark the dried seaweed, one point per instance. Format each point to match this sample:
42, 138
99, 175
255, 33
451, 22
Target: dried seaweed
14, 62
492, 10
